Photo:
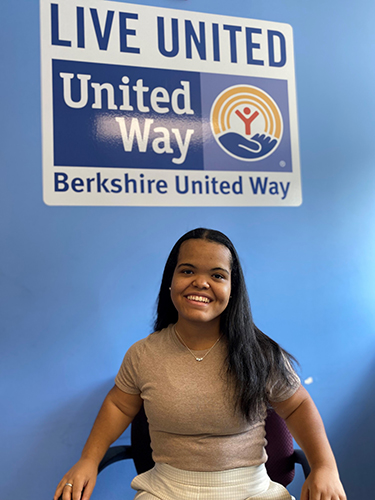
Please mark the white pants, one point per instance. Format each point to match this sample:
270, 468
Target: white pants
164, 482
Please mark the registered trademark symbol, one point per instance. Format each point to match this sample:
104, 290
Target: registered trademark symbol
282, 163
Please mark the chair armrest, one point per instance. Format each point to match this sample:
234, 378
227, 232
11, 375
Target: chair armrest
115, 454
300, 458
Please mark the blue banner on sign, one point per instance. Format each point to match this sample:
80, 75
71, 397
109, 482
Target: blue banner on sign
118, 116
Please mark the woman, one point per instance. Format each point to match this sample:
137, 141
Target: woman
206, 377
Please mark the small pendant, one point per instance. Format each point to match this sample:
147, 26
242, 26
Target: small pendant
199, 359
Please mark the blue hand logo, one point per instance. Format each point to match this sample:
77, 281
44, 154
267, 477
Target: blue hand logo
255, 147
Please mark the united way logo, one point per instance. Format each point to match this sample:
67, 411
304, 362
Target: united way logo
246, 122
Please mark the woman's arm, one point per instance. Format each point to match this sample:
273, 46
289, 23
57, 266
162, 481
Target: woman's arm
116, 413
306, 426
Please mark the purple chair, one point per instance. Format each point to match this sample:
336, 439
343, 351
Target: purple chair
282, 456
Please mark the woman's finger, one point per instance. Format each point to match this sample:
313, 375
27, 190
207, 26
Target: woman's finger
304, 493
67, 490
60, 489
88, 489
77, 490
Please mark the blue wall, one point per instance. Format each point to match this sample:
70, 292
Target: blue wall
78, 284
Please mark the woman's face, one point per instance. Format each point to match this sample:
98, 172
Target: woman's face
201, 282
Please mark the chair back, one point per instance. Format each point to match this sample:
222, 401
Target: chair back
280, 464
280, 449
141, 443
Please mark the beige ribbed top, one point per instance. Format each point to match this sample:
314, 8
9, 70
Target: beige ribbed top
189, 406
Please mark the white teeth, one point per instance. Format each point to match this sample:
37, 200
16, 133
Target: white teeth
198, 298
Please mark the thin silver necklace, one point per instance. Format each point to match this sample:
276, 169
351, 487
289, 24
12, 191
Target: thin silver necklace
191, 352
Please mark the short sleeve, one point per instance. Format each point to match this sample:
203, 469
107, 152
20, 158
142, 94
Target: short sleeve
279, 389
127, 377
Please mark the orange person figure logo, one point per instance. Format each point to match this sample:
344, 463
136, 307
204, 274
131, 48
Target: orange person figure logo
247, 119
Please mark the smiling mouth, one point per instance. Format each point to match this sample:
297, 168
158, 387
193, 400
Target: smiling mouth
198, 298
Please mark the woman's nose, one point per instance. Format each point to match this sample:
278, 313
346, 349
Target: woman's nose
201, 282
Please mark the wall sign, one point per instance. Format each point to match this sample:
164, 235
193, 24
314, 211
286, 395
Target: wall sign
158, 107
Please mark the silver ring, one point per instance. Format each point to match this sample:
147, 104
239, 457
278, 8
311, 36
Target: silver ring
69, 484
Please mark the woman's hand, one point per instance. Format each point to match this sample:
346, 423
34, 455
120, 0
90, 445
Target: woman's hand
116, 413
83, 478
323, 483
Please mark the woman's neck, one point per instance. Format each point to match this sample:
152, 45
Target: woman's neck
198, 336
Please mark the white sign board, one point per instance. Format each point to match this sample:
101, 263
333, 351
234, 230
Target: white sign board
147, 106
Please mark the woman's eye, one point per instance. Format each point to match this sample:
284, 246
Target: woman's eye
218, 276
187, 271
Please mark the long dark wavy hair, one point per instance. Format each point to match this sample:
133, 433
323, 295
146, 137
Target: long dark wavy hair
252, 356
